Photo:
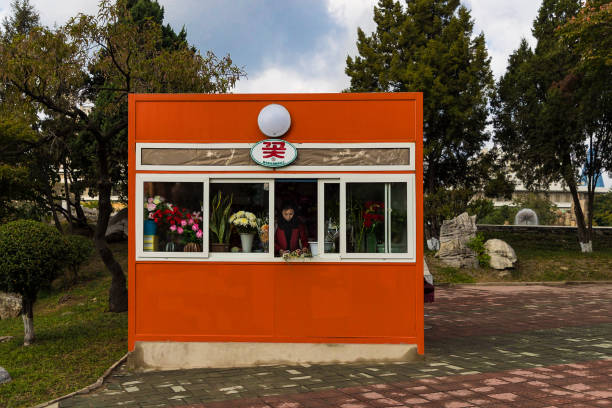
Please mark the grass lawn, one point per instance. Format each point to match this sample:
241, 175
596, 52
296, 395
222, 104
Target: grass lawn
541, 257
77, 339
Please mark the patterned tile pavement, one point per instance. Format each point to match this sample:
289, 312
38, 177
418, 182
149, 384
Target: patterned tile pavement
489, 346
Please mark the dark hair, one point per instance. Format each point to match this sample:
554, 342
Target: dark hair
288, 205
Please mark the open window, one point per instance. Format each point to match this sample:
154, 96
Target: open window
240, 217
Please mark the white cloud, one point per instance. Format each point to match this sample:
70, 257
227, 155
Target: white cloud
55, 12
504, 23
322, 69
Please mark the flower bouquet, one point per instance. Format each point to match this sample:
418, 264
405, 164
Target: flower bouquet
298, 254
246, 224
244, 221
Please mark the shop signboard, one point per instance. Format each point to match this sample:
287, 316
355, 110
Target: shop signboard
273, 153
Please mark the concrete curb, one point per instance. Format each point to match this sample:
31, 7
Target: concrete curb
544, 283
55, 403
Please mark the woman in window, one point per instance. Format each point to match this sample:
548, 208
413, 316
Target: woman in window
290, 234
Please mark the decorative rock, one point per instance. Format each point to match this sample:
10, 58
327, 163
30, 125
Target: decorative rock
433, 244
118, 227
454, 236
502, 255
4, 376
10, 305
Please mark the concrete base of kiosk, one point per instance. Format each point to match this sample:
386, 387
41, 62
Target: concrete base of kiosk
177, 355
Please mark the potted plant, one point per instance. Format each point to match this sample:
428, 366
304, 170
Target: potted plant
246, 224
220, 228
192, 235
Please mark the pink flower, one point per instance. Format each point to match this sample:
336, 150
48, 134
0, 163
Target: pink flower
191, 221
151, 206
150, 200
199, 234
179, 230
183, 223
195, 227
173, 228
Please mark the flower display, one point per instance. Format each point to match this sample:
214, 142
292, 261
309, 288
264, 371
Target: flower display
244, 221
371, 215
296, 254
174, 221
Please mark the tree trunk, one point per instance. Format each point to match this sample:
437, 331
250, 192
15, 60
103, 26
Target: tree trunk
67, 198
27, 313
81, 218
584, 234
117, 296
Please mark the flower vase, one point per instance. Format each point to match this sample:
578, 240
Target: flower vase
371, 242
246, 239
149, 237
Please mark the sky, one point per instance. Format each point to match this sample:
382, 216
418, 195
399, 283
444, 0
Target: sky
300, 45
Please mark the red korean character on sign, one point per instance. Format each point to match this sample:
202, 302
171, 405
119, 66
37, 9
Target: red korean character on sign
273, 149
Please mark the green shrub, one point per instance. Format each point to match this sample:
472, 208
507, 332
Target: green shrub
481, 208
602, 210
500, 216
32, 254
476, 244
78, 250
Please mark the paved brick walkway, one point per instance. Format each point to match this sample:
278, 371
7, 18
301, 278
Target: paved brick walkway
490, 346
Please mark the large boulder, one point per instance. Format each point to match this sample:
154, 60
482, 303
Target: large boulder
502, 255
10, 305
454, 236
4, 376
118, 227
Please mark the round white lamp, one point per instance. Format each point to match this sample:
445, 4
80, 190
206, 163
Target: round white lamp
274, 120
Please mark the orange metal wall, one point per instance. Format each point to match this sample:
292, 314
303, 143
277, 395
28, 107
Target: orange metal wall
276, 302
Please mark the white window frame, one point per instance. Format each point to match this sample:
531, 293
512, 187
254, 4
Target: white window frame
322, 178
409, 179
141, 254
256, 167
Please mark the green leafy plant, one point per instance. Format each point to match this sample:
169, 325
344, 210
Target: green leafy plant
476, 244
78, 250
33, 253
219, 217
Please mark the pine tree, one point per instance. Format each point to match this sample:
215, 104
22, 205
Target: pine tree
427, 46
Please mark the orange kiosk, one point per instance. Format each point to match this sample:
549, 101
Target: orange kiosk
208, 177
